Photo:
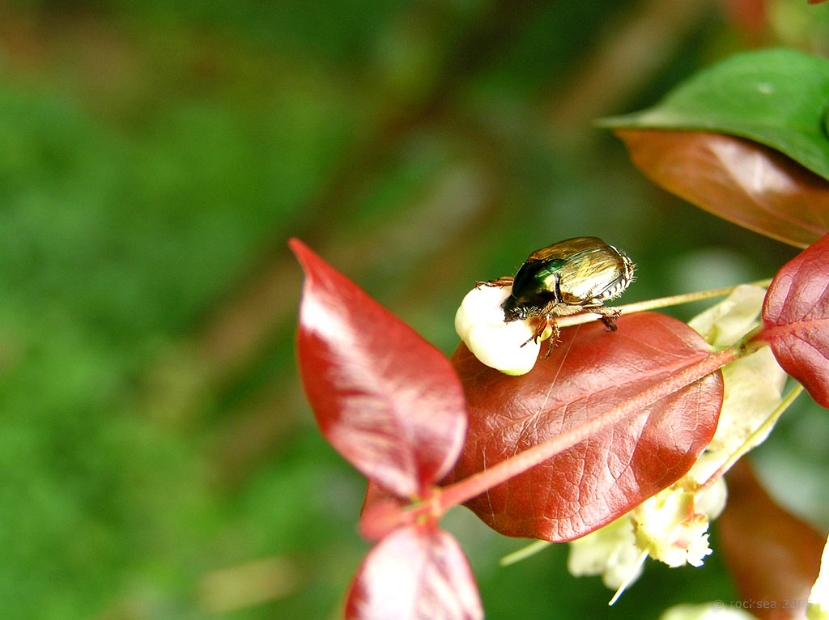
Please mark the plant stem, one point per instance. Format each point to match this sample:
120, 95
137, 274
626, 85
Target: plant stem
653, 304
525, 552
476, 484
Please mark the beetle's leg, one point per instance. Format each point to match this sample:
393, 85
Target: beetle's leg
500, 282
545, 322
554, 338
533, 338
608, 316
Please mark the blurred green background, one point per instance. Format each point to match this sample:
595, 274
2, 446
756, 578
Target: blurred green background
157, 457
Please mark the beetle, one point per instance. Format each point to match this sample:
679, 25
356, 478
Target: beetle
568, 277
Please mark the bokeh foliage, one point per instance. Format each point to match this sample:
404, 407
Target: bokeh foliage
154, 158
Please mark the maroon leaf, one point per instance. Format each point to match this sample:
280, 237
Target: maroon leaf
796, 319
739, 180
773, 556
591, 371
417, 572
386, 399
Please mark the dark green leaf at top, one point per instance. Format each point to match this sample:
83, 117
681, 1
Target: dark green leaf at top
775, 97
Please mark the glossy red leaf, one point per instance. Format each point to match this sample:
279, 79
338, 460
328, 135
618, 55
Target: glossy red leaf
386, 399
773, 556
796, 319
591, 371
736, 179
415, 573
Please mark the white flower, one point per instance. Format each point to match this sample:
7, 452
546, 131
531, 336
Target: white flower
610, 552
507, 347
668, 527
671, 526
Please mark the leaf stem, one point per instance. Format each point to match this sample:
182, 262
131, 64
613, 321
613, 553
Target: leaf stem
661, 302
480, 482
525, 552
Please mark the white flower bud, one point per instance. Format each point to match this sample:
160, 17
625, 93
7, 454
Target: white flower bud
507, 347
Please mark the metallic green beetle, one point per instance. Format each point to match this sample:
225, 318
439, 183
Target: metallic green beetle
567, 277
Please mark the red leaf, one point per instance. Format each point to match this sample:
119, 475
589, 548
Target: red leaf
381, 513
386, 399
773, 556
602, 478
739, 180
796, 319
415, 573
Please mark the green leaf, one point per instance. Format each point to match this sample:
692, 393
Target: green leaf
775, 97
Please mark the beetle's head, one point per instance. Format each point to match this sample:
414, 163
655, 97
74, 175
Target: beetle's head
513, 310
